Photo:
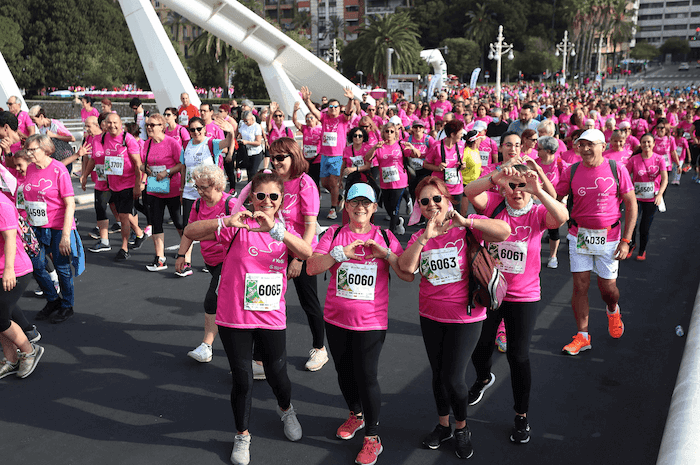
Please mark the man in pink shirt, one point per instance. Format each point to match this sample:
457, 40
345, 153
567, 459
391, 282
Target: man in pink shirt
26, 126
596, 241
210, 128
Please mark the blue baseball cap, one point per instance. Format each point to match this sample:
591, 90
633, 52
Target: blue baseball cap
361, 189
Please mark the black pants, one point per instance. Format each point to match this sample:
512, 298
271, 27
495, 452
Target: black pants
254, 163
230, 170
308, 299
315, 172
392, 200
8, 303
356, 358
420, 174
449, 346
211, 297
187, 205
519, 318
647, 210
238, 344
155, 208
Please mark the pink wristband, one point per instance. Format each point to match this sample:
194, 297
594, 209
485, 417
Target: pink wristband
471, 226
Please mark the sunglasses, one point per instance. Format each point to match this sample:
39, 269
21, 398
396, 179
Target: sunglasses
333, 106
364, 202
512, 185
280, 158
152, 125
534, 139
389, 131
197, 129
358, 136
426, 200
364, 127
278, 116
371, 109
261, 196
167, 114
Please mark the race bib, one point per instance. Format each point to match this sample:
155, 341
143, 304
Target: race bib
390, 174
591, 241
686, 135
485, 157
440, 266
356, 281
451, 176
357, 161
263, 292
36, 213
667, 160
679, 152
510, 257
416, 163
114, 166
439, 111
19, 200
156, 169
183, 119
100, 170
310, 151
644, 190
330, 139
189, 180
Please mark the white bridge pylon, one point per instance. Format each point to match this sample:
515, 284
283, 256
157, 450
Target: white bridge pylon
8, 85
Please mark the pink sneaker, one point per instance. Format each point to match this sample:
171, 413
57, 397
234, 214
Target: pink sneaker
371, 449
351, 426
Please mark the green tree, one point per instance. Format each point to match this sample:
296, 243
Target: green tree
675, 46
223, 53
462, 57
536, 58
481, 27
247, 79
644, 51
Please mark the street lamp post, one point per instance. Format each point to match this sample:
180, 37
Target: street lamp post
360, 73
497, 50
565, 48
389, 52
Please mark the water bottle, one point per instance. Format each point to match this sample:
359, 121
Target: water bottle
679, 331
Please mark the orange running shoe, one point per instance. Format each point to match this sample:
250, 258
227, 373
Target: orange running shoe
578, 344
642, 256
616, 327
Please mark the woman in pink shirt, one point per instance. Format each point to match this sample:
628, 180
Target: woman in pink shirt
87, 110
682, 153
251, 305
444, 159
638, 125
275, 124
311, 133
529, 141
427, 118
665, 145
518, 257
174, 130
650, 178
359, 256
482, 114
450, 322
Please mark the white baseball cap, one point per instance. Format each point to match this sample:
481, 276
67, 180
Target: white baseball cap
592, 135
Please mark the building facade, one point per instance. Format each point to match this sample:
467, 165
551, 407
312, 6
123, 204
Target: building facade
658, 21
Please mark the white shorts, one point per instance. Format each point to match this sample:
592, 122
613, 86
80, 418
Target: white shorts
604, 266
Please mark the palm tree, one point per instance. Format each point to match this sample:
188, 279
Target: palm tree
395, 31
302, 20
208, 44
481, 27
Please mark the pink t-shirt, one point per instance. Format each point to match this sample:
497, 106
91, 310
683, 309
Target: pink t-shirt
24, 123
9, 220
595, 197
84, 114
301, 199
440, 108
438, 298
253, 280
335, 134
553, 170
681, 148
428, 122
422, 145
490, 151
664, 146
523, 284
114, 147
393, 174
47, 186
312, 142
646, 170
213, 131
356, 157
275, 133
180, 134
452, 159
165, 155
620, 157
98, 155
631, 143
571, 157
639, 127
213, 252
367, 312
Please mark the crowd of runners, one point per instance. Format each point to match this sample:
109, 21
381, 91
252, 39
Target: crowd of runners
526, 165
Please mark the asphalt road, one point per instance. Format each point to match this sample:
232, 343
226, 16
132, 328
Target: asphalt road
660, 77
115, 385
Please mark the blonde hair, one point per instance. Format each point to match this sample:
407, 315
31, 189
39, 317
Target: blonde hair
211, 174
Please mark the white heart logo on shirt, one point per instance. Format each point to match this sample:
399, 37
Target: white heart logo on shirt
42, 186
289, 201
551, 175
605, 184
522, 233
459, 243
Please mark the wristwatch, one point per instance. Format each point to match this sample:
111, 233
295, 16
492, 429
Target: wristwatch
298, 259
168, 171
180, 255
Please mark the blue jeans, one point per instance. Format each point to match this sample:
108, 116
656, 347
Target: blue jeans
49, 239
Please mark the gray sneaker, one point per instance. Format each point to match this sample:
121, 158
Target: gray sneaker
33, 334
292, 428
241, 450
258, 371
8, 368
28, 362
202, 353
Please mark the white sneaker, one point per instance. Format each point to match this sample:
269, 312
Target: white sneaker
409, 206
400, 230
332, 214
258, 371
317, 358
552, 262
202, 353
241, 450
292, 428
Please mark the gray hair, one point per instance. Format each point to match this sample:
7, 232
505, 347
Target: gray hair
547, 126
18, 99
33, 111
496, 111
44, 142
211, 174
548, 143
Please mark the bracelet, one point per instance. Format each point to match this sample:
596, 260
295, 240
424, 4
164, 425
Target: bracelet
277, 232
388, 253
338, 254
299, 259
421, 243
220, 222
471, 226
491, 180
626, 241
180, 255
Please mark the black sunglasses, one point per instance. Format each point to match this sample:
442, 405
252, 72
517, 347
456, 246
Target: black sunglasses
261, 196
513, 185
426, 200
278, 116
280, 158
197, 129
358, 134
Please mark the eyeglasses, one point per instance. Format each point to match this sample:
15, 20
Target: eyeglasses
196, 129
333, 106
534, 139
201, 188
30, 152
152, 125
134, 108
389, 131
426, 200
510, 145
512, 185
371, 109
274, 196
280, 158
364, 202
167, 114
358, 136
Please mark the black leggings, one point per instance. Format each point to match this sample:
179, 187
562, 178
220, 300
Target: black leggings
187, 205
155, 208
315, 172
254, 163
211, 297
308, 299
392, 199
8, 303
238, 344
230, 170
356, 358
648, 210
449, 346
519, 318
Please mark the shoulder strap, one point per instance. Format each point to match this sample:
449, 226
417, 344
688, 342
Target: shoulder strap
196, 205
335, 234
570, 199
385, 236
124, 139
287, 131
613, 168
442, 150
501, 206
235, 235
227, 206
148, 150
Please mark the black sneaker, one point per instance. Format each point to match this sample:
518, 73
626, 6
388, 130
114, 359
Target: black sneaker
463, 443
132, 238
33, 334
100, 247
95, 233
48, 309
205, 269
478, 388
157, 265
439, 435
116, 227
122, 255
521, 431
138, 242
62, 315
